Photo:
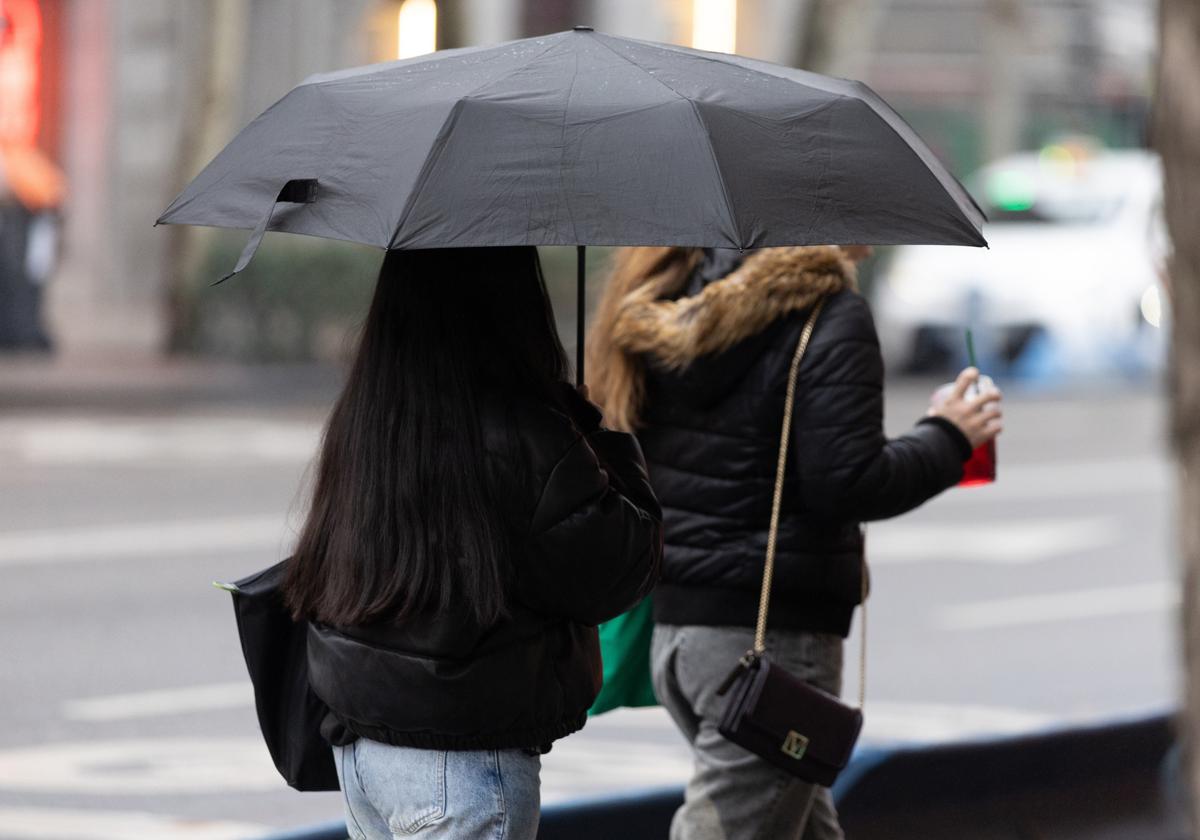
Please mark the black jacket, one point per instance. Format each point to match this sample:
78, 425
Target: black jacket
710, 430
586, 545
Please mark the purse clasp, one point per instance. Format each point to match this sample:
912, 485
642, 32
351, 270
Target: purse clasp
794, 745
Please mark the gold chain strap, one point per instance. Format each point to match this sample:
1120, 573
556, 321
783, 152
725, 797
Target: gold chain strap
760, 631
862, 636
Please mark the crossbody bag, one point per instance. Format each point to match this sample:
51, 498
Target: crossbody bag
781, 718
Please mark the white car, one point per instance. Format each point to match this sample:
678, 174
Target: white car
1069, 286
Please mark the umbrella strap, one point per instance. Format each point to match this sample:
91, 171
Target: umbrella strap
296, 191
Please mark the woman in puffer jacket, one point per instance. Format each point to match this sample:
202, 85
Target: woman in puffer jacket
691, 349
471, 523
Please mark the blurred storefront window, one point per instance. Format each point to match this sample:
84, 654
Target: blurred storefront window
714, 25
416, 28
402, 29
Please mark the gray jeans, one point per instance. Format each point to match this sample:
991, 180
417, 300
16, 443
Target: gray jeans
733, 794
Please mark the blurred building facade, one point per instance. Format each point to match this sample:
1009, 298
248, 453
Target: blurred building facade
983, 78
136, 95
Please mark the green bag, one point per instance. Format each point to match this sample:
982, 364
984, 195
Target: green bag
625, 649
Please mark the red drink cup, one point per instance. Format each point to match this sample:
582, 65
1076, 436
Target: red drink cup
980, 468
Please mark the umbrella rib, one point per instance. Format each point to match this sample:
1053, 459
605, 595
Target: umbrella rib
861, 92
720, 175
440, 141
562, 154
874, 101
954, 189
707, 139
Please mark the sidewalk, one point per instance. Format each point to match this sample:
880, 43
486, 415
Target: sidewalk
147, 383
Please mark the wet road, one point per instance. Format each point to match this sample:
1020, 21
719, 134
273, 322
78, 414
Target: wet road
1044, 599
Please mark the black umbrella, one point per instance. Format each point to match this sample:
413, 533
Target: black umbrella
581, 138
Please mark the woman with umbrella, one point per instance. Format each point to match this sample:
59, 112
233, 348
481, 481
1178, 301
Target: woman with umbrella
470, 523
692, 349
577, 138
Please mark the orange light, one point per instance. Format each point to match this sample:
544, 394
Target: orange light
20, 70
32, 177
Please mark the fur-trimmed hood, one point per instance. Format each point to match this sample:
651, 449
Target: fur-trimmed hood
766, 286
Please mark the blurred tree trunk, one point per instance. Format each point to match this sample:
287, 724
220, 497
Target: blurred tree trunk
812, 47
1002, 106
212, 39
1177, 136
541, 17
450, 25
837, 36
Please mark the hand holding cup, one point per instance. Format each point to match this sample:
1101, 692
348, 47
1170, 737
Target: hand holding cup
972, 403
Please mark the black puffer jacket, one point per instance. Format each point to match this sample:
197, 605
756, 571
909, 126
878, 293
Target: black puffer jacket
586, 545
718, 362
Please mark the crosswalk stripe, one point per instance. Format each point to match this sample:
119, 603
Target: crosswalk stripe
916, 722
634, 748
1050, 607
209, 763
1077, 479
146, 539
79, 824
170, 701
120, 440
1011, 541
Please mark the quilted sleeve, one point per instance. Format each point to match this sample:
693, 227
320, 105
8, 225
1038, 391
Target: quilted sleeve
848, 468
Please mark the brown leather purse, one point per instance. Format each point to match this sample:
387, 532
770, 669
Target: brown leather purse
772, 713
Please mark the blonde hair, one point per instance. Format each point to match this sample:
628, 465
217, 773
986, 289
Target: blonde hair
616, 378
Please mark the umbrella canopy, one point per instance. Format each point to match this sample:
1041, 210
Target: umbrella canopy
581, 138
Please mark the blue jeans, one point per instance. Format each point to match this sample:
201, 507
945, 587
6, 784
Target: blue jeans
393, 792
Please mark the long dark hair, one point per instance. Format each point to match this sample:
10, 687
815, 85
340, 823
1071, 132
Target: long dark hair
404, 519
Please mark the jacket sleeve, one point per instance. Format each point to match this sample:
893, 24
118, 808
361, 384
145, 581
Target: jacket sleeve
595, 541
847, 467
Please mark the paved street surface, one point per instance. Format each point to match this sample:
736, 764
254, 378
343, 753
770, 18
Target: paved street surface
1045, 599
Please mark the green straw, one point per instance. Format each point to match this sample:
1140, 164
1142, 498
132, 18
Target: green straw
971, 350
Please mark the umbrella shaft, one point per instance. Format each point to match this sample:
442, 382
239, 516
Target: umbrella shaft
580, 300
